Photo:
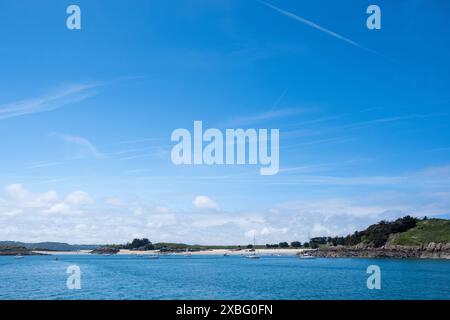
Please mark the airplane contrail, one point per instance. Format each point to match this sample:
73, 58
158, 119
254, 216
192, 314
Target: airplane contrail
316, 26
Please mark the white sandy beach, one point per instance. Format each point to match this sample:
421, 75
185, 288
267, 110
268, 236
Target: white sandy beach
63, 253
221, 252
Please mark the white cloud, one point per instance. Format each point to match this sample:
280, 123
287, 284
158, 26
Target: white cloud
161, 220
10, 213
204, 202
43, 216
271, 231
162, 210
115, 202
19, 200
138, 212
20, 195
58, 208
79, 198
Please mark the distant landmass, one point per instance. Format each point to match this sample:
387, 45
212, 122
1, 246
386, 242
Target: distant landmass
49, 246
407, 237
13, 250
404, 238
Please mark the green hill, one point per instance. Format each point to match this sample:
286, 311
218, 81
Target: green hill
51, 246
406, 231
426, 231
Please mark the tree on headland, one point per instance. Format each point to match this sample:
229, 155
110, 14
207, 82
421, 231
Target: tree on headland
284, 245
296, 244
140, 244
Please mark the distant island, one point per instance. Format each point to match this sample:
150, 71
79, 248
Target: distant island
407, 237
11, 250
50, 246
14, 248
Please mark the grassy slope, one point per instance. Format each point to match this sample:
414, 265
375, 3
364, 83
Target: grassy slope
434, 230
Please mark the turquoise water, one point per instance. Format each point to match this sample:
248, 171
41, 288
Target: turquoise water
217, 277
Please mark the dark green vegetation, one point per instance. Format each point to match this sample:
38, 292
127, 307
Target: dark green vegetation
139, 244
49, 246
146, 245
376, 235
106, 250
426, 231
11, 250
407, 231
404, 231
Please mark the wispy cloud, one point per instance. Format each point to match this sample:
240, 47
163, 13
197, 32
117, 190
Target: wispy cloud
264, 116
316, 26
45, 165
361, 125
85, 146
333, 140
387, 120
55, 99
134, 141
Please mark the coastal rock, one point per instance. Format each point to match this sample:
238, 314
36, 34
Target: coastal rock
429, 251
8, 250
106, 251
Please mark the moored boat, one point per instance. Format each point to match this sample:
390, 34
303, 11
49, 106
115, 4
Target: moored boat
306, 256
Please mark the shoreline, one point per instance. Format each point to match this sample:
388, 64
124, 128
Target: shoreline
213, 252
422, 253
436, 251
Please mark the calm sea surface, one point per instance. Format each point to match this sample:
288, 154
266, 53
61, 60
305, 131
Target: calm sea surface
217, 277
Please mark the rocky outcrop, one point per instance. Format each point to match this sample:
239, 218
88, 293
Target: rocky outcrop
428, 251
106, 251
8, 250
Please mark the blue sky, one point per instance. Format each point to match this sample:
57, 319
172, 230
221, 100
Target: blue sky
86, 118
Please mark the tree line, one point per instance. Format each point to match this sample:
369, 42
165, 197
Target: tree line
376, 235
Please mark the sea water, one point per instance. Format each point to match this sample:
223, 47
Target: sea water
217, 278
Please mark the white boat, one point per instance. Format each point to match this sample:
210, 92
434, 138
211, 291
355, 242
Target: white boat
19, 257
153, 257
306, 256
187, 254
253, 256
